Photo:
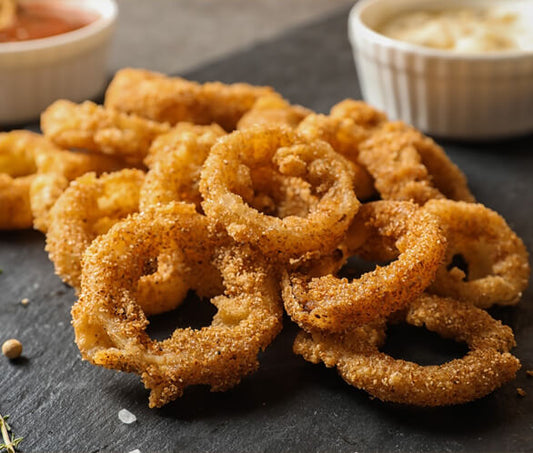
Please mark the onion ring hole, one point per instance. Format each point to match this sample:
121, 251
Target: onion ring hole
356, 266
194, 312
458, 261
421, 346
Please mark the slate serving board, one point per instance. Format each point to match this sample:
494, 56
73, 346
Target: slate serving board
61, 404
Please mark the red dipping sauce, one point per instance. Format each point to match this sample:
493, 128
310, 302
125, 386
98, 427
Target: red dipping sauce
37, 20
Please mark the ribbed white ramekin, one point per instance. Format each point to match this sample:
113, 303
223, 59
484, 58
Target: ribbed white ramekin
72, 65
461, 96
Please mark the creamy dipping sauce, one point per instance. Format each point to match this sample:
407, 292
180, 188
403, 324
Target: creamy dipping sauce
43, 19
462, 30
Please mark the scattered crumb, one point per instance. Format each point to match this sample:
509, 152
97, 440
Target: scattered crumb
25, 301
521, 391
529, 373
12, 348
125, 416
135, 451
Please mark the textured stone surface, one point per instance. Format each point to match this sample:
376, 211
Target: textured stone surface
173, 36
59, 403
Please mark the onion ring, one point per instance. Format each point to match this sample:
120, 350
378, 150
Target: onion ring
273, 110
175, 161
407, 165
344, 136
355, 353
17, 169
55, 170
173, 99
88, 208
359, 112
110, 325
229, 187
15, 207
92, 127
44, 191
498, 266
24, 156
333, 304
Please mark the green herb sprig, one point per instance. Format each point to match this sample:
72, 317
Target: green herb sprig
9, 444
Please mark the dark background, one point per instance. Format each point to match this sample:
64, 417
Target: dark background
59, 403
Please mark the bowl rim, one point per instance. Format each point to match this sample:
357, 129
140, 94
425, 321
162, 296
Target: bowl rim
355, 22
107, 13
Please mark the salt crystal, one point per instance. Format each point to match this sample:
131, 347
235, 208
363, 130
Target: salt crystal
125, 416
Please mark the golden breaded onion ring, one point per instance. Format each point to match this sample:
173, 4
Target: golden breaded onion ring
17, 170
175, 161
330, 303
173, 99
110, 325
344, 135
244, 163
92, 127
273, 110
356, 355
44, 191
406, 165
55, 170
24, 156
359, 112
15, 206
86, 209
497, 260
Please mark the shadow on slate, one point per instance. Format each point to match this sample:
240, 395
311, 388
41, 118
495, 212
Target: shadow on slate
59, 403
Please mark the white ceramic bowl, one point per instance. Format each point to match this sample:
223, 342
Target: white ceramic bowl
447, 94
71, 65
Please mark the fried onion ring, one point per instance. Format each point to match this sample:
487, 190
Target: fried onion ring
24, 156
407, 165
88, 208
55, 170
273, 110
95, 128
333, 304
15, 207
175, 161
173, 99
344, 136
497, 260
17, 169
246, 163
110, 325
355, 353
359, 112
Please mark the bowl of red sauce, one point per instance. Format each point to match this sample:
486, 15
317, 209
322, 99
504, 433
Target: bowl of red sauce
53, 49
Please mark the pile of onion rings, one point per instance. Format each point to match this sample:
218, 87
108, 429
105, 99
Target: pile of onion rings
261, 206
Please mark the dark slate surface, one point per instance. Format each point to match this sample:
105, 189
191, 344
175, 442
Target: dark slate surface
59, 403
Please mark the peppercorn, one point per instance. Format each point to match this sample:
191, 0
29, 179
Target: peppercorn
12, 348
